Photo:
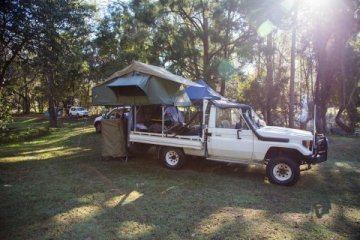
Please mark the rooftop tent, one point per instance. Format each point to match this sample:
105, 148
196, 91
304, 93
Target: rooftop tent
142, 89
142, 84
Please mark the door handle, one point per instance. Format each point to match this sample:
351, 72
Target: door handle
238, 133
218, 134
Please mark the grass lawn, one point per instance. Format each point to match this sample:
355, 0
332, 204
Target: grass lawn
56, 187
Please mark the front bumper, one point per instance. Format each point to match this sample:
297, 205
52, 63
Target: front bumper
319, 150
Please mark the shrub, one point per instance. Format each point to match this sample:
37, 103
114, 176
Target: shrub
5, 112
23, 135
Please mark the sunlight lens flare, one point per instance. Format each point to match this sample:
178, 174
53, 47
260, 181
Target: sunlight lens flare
288, 4
317, 4
265, 28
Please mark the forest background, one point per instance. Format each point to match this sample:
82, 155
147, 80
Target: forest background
280, 56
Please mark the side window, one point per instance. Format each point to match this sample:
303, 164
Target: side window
116, 113
112, 114
223, 118
241, 124
230, 118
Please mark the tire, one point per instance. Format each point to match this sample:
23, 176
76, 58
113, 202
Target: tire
282, 170
138, 149
98, 127
172, 158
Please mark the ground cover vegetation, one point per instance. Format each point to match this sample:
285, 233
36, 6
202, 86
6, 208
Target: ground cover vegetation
25, 128
56, 187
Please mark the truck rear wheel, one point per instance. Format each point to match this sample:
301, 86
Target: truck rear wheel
282, 170
173, 158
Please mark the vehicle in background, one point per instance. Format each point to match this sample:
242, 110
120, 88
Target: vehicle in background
112, 114
78, 112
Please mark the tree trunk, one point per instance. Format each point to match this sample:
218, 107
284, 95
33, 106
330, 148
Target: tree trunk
26, 100
40, 105
321, 109
226, 54
205, 40
52, 111
292, 74
269, 79
324, 79
18, 104
222, 87
26, 105
23, 102
33, 105
350, 107
340, 123
320, 99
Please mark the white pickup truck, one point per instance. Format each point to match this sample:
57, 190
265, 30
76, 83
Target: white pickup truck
233, 133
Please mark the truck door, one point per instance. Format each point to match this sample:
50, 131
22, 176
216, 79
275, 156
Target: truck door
229, 136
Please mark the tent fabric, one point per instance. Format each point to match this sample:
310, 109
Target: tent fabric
140, 89
104, 96
205, 92
130, 89
197, 94
142, 84
153, 71
130, 80
113, 138
226, 103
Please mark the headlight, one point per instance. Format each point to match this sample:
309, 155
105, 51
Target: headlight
307, 144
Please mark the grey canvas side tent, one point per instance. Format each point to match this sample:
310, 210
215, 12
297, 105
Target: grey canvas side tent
142, 84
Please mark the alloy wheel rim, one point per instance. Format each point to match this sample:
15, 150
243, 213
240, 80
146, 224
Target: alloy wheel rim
172, 158
282, 172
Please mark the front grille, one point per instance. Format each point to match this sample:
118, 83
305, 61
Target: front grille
321, 143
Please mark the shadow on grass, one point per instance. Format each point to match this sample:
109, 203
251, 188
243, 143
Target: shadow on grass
77, 196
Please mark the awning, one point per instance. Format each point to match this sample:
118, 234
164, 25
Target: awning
197, 94
205, 92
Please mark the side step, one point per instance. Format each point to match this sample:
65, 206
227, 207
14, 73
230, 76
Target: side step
243, 162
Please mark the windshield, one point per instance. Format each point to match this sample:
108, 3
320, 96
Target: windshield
254, 119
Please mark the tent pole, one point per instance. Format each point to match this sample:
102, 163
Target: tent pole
162, 120
135, 118
204, 125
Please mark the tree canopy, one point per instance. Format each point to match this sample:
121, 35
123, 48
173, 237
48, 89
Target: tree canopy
279, 56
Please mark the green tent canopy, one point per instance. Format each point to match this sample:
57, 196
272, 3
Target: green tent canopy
142, 84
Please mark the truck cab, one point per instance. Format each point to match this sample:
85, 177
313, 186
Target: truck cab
238, 135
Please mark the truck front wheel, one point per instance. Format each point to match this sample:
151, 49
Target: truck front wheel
173, 158
283, 170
